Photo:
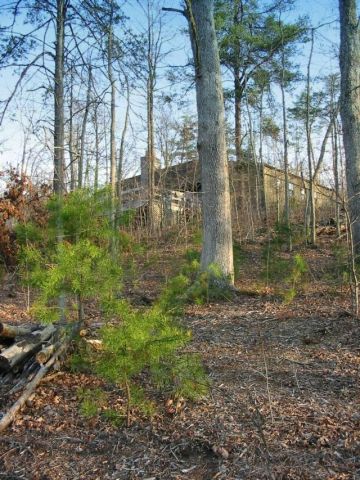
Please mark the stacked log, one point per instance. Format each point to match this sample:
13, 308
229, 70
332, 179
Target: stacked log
27, 353
19, 351
10, 415
12, 331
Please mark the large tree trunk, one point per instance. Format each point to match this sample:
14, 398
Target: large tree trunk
217, 234
59, 158
350, 108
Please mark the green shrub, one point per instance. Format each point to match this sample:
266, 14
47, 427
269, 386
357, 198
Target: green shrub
147, 341
82, 271
196, 238
194, 286
295, 280
191, 254
126, 218
113, 416
84, 266
287, 273
91, 401
339, 269
239, 258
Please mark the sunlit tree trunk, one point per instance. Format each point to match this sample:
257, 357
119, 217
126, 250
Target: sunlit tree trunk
350, 108
217, 234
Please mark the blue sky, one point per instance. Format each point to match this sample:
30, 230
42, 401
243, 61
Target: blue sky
319, 12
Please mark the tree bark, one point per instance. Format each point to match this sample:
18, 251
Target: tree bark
59, 158
350, 108
217, 233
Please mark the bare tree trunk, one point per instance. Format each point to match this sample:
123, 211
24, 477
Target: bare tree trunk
151, 152
217, 234
261, 156
23, 156
253, 161
152, 58
350, 108
238, 124
83, 131
309, 150
335, 152
71, 135
286, 160
97, 152
238, 91
112, 113
59, 158
122, 146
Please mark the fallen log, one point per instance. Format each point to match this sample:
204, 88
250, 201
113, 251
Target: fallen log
12, 331
5, 344
20, 350
44, 354
10, 415
20, 384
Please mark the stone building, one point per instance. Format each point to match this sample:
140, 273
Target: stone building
257, 193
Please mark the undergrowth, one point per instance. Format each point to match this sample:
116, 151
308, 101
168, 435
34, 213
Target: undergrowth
286, 272
86, 266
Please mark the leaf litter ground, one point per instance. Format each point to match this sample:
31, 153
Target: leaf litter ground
284, 401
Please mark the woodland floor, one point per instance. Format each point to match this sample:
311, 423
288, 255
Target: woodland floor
284, 401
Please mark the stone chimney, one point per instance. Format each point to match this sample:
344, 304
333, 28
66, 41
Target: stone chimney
145, 169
